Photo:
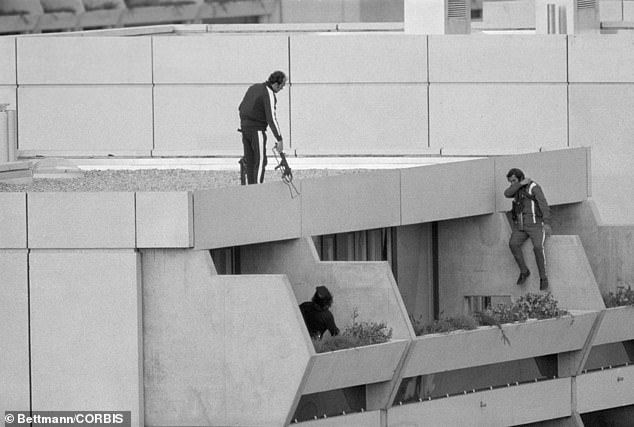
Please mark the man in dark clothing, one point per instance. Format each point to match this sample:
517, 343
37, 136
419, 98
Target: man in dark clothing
317, 315
257, 111
531, 218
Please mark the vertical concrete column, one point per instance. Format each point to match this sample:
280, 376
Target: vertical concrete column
4, 134
12, 136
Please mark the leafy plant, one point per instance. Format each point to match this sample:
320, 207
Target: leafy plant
622, 297
444, 325
356, 334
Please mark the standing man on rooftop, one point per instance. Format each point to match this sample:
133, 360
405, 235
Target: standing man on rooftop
258, 110
531, 218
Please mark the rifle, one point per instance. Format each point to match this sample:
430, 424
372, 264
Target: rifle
287, 173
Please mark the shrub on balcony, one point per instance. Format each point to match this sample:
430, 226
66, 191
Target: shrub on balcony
356, 334
91, 5
444, 325
622, 297
529, 306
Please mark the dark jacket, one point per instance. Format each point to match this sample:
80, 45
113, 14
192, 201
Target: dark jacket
529, 200
318, 319
258, 109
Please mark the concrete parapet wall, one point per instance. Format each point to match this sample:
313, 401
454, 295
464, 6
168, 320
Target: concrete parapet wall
81, 220
489, 407
164, 220
497, 94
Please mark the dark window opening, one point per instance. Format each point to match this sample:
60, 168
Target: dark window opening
331, 403
226, 260
366, 245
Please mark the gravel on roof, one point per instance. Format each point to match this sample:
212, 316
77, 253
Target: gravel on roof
157, 180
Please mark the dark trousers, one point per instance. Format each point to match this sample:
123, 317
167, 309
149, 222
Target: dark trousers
538, 236
254, 144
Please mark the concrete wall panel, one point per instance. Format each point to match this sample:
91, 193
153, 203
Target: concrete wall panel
202, 120
164, 220
615, 326
432, 193
7, 67
563, 175
183, 320
616, 388
219, 59
245, 214
85, 120
605, 58
8, 95
497, 118
611, 10
489, 408
84, 60
81, 220
600, 117
628, 11
86, 340
14, 334
12, 220
359, 58
272, 364
359, 119
343, 203
207, 360
503, 58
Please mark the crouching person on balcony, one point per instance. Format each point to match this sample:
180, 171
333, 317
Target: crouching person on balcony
531, 218
317, 315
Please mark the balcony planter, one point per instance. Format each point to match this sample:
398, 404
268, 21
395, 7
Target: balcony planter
512, 405
616, 326
486, 345
353, 366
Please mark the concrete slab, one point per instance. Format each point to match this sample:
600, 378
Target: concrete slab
504, 58
61, 120
196, 60
104, 60
335, 58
